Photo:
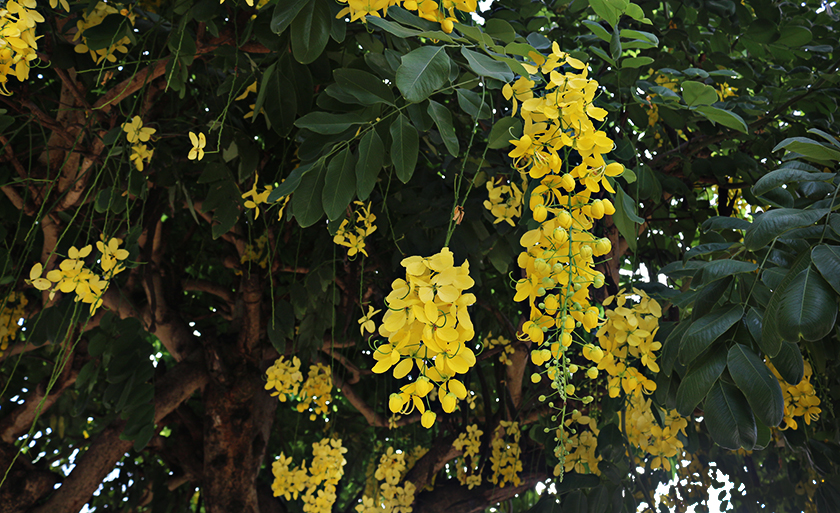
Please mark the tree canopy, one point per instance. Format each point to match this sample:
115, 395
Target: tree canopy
419, 255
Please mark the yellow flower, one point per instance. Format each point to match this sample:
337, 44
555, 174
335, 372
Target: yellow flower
198, 142
366, 322
135, 131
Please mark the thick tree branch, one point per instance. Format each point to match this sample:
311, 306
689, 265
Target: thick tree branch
92, 467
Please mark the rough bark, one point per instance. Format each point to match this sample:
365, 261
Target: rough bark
452, 496
25, 483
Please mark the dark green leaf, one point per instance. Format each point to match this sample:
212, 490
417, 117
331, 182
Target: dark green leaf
782, 176
310, 31
443, 120
339, 184
671, 348
331, 123
706, 249
366, 87
290, 184
809, 148
422, 72
770, 334
724, 117
827, 260
758, 384
717, 269
405, 146
284, 13
503, 131
729, 418
789, 363
472, 103
725, 223
486, 66
704, 331
625, 217
808, 308
698, 380
306, 201
775, 223
371, 159
282, 105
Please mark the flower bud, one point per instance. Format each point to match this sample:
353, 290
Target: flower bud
427, 420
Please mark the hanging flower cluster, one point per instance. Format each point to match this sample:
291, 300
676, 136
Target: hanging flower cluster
627, 332
73, 276
353, 237
286, 381
316, 487
502, 342
11, 315
390, 498
428, 326
92, 18
644, 432
137, 134
800, 400
316, 389
442, 11
504, 201
469, 444
257, 252
506, 455
579, 447
258, 198
18, 45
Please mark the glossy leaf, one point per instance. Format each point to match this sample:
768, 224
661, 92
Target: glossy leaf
365, 87
443, 120
306, 201
698, 380
422, 72
371, 159
405, 145
339, 184
789, 363
758, 384
310, 31
704, 331
729, 418
486, 66
808, 308
775, 223
827, 260
726, 118
782, 176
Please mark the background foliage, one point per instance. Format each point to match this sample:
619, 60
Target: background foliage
723, 114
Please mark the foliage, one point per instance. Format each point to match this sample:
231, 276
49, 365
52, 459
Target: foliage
302, 255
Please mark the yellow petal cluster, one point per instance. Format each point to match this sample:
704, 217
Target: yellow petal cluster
441, 11
12, 313
353, 237
580, 447
502, 342
73, 276
317, 486
316, 389
428, 326
506, 455
469, 443
800, 400
659, 442
92, 18
504, 201
18, 43
137, 134
258, 252
284, 377
390, 497
254, 198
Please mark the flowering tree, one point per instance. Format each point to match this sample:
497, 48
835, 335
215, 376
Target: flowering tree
383, 255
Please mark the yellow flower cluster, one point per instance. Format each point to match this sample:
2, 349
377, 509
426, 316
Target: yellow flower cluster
92, 18
391, 497
505, 201
507, 348
627, 332
284, 377
73, 276
11, 314
644, 431
316, 389
428, 325
725, 90
506, 456
18, 45
354, 238
469, 444
137, 134
800, 400
257, 252
317, 487
441, 11
258, 198
579, 447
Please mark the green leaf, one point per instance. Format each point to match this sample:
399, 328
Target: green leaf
108, 31
443, 120
396, 29
808, 308
472, 103
729, 418
782, 176
606, 11
827, 260
290, 184
809, 148
704, 331
724, 117
366, 87
487, 66
754, 322
310, 31
707, 249
794, 36
698, 380
422, 72
306, 201
789, 363
371, 159
330, 123
625, 217
339, 184
282, 106
774, 223
725, 223
284, 13
636, 62
503, 131
696, 94
598, 30
757, 383
770, 335
405, 146
717, 269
